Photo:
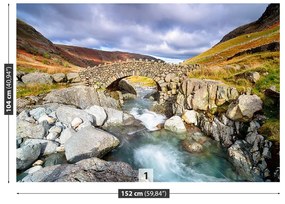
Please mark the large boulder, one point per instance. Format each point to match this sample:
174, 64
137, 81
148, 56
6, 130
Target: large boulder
241, 159
190, 117
99, 114
46, 146
89, 142
175, 124
59, 77
66, 115
205, 95
65, 135
114, 116
55, 159
73, 77
88, 170
26, 155
82, 97
37, 78
192, 147
30, 130
220, 128
169, 77
244, 107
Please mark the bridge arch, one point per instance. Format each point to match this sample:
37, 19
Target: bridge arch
167, 76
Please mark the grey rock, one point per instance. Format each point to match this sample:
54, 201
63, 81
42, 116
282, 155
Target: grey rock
73, 77
38, 163
46, 146
55, 129
46, 118
26, 155
169, 77
223, 132
114, 116
175, 124
66, 114
244, 108
82, 97
30, 130
98, 113
89, 142
253, 126
22, 104
175, 79
254, 77
76, 122
192, 146
19, 141
262, 165
38, 112
266, 150
59, 77
190, 117
52, 136
205, 95
266, 173
88, 170
37, 78
53, 114
200, 99
222, 95
55, 159
23, 115
241, 159
179, 105
33, 169
66, 134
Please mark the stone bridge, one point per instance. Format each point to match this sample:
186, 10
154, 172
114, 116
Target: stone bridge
103, 76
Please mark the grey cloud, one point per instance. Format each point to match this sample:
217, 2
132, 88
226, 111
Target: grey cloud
164, 30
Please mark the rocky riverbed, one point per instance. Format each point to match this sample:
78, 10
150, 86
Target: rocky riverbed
65, 135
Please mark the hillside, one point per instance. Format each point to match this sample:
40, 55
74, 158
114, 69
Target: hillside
91, 57
260, 36
270, 17
35, 52
243, 54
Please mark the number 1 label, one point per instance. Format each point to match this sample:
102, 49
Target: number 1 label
145, 175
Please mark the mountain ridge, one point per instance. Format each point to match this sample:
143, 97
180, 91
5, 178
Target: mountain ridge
261, 36
35, 50
270, 17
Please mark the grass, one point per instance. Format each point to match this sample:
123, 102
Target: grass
271, 130
221, 52
50, 69
43, 63
27, 69
142, 81
37, 89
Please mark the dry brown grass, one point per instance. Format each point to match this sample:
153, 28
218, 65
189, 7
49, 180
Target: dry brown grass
28, 62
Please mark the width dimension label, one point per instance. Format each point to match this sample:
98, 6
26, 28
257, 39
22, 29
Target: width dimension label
8, 89
143, 193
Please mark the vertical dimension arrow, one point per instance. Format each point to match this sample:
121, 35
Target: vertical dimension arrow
8, 91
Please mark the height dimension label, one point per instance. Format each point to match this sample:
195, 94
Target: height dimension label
143, 193
8, 89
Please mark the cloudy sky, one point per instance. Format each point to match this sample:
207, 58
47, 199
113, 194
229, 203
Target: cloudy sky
171, 32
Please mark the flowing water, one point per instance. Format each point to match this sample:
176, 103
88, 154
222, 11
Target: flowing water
144, 146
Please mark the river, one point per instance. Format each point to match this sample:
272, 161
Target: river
146, 146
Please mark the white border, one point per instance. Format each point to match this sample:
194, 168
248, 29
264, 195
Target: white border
9, 191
